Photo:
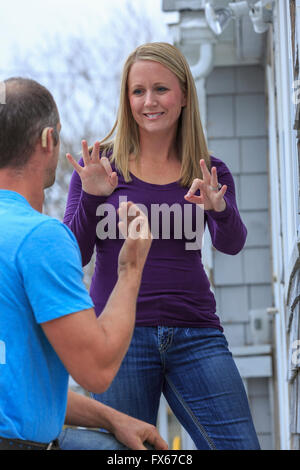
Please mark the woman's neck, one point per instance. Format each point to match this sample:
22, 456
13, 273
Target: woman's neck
160, 148
158, 161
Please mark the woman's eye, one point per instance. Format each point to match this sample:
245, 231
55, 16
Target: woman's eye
161, 89
137, 91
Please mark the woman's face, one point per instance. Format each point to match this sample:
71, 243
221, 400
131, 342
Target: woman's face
155, 96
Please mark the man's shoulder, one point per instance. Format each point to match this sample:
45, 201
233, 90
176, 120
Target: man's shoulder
41, 233
20, 217
21, 223
48, 230
51, 225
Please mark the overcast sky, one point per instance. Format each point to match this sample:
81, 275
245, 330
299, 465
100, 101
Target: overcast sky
25, 23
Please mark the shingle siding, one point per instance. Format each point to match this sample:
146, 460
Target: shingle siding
236, 129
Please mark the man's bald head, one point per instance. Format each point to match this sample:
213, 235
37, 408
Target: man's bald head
29, 108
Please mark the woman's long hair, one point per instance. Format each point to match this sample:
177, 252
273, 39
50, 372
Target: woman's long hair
191, 143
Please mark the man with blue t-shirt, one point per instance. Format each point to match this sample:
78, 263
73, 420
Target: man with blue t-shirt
48, 327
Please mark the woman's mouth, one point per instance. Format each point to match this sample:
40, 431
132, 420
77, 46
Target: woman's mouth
153, 116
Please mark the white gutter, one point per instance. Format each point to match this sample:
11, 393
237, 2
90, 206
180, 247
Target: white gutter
205, 63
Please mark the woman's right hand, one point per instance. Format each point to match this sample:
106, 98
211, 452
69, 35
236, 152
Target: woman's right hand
96, 175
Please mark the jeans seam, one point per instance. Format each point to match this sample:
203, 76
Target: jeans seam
162, 358
169, 339
163, 348
201, 428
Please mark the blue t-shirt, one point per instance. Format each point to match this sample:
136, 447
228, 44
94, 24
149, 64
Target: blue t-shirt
41, 279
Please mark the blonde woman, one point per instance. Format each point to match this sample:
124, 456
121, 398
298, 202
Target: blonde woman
158, 159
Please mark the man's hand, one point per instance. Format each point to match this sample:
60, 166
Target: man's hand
138, 238
134, 433
88, 413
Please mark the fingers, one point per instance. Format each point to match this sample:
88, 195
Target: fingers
222, 191
73, 162
133, 222
209, 178
209, 184
196, 184
205, 172
195, 199
148, 438
113, 179
138, 228
155, 439
106, 165
94, 157
123, 211
85, 152
158, 442
211, 193
214, 179
125, 217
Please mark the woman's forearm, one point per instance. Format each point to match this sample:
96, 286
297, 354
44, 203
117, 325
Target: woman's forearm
228, 232
80, 217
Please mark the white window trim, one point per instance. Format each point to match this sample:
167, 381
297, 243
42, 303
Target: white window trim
287, 136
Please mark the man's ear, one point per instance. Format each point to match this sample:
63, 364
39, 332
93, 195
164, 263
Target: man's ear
44, 136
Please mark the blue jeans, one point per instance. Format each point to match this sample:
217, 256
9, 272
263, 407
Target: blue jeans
195, 371
88, 439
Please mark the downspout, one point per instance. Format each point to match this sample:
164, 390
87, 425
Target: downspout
191, 33
200, 72
192, 29
206, 61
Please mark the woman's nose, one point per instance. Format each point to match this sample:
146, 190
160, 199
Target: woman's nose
150, 99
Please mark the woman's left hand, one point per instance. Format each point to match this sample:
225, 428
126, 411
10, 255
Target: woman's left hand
211, 193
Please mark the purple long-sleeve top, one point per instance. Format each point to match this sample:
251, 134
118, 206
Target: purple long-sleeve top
175, 290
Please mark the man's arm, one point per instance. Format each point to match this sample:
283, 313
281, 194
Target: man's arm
92, 349
89, 413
